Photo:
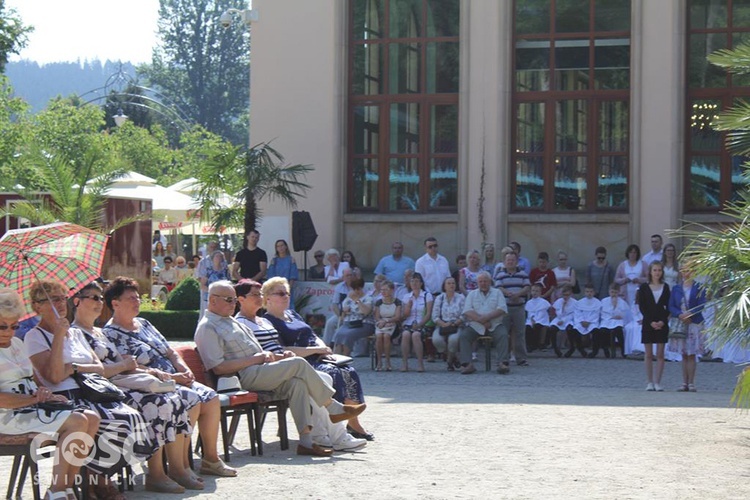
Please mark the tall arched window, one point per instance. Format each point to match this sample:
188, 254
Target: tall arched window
403, 105
571, 105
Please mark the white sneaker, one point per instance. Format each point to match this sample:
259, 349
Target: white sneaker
323, 441
658, 388
474, 356
349, 443
650, 387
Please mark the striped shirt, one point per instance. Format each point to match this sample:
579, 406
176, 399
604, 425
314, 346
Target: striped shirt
511, 282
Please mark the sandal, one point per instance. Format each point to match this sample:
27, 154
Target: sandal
217, 468
691, 388
683, 388
55, 495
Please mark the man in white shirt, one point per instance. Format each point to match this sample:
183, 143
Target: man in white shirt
656, 250
483, 312
433, 267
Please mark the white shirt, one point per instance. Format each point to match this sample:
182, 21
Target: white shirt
433, 271
564, 312
482, 304
537, 310
652, 256
609, 310
587, 310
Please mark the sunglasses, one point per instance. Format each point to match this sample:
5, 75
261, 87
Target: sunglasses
95, 298
434, 245
256, 294
228, 300
280, 294
13, 327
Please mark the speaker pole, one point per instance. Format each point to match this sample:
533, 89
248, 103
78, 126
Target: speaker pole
305, 265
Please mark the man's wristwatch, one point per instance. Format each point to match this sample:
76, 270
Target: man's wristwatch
75, 368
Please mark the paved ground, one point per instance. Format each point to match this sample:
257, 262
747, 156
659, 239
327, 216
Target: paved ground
569, 428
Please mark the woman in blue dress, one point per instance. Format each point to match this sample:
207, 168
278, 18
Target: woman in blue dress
283, 266
298, 337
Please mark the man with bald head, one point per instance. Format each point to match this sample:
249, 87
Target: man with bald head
393, 266
228, 347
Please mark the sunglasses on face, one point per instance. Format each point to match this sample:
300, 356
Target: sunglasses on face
54, 300
280, 294
228, 300
13, 327
434, 245
95, 298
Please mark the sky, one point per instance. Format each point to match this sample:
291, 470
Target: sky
72, 30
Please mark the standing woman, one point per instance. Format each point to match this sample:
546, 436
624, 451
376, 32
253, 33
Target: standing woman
387, 315
563, 274
686, 303
58, 352
167, 412
219, 270
653, 302
159, 254
489, 258
19, 395
446, 314
467, 277
417, 312
672, 274
348, 257
283, 265
631, 273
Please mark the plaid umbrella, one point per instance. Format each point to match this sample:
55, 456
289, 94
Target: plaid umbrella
63, 252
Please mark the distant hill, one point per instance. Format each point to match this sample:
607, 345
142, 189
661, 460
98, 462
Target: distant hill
38, 84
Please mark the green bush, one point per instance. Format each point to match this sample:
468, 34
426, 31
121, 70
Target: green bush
186, 296
173, 324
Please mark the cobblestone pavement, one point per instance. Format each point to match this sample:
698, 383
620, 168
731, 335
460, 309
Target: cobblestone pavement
561, 428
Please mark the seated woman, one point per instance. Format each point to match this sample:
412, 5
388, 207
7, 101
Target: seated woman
138, 338
417, 312
358, 324
446, 314
387, 315
298, 337
324, 433
58, 352
166, 413
19, 394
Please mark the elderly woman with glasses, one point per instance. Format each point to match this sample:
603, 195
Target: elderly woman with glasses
58, 352
19, 395
297, 336
138, 338
166, 413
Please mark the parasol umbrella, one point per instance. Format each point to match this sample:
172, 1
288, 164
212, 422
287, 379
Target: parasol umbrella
63, 252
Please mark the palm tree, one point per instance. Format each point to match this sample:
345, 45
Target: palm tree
721, 255
247, 177
68, 191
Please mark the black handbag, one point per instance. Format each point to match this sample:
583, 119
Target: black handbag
357, 323
94, 387
98, 389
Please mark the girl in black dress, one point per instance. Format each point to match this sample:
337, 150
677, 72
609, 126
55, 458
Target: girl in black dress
653, 301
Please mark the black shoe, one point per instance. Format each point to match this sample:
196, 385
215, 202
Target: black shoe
606, 353
583, 353
558, 352
569, 353
367, 435
592, 354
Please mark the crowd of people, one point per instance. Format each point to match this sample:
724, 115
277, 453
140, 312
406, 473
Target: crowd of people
159, 403
629, 306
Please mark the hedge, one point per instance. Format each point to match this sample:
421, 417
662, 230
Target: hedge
173, 324
186, 296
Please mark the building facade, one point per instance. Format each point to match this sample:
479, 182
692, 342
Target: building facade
562, 124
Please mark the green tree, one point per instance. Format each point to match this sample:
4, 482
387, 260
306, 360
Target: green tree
721, 255
13, 34
202, 66
12, 113
248, 176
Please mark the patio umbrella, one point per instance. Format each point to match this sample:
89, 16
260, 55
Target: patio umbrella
63, 252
